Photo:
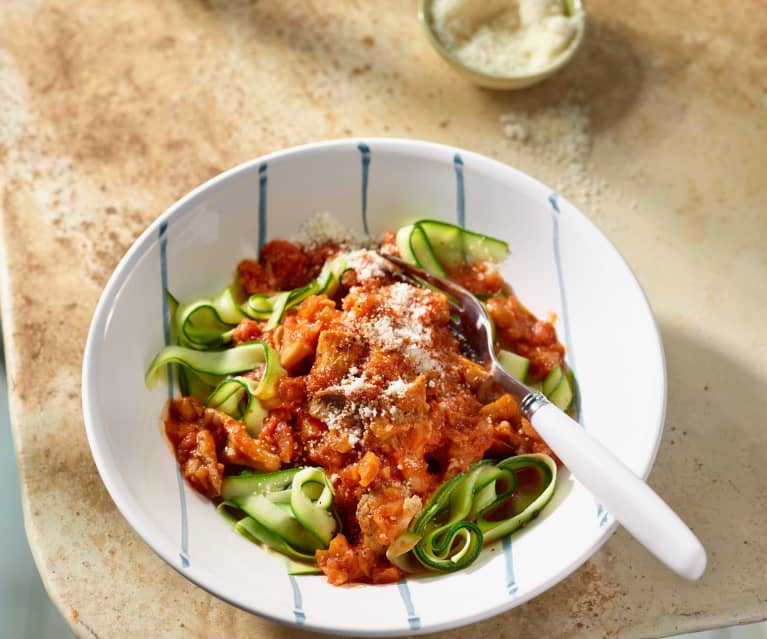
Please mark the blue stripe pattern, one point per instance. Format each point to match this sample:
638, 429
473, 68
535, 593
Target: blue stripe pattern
562, 294
261, 205
184, 554
413, 620
165, 313
364, 150
460, 212
460, 196
511, 580
602, 514
298, 611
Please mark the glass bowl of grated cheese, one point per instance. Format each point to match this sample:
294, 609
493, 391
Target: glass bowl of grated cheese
504, 44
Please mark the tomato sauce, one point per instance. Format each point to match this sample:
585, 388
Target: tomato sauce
378, 393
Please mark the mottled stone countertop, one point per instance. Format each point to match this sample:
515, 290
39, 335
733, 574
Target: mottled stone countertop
657, 130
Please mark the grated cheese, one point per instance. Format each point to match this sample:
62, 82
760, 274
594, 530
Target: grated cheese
321, 228
556, 140
504, 37
354, 438
397, 388
341, 419
368, 265
400, 326
398, 323
402, 296
351, 385
395, 326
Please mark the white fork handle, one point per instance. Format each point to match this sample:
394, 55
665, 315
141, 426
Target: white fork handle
625, 496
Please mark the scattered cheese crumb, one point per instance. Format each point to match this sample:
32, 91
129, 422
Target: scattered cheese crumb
556, 140
368, 265
400, 327
397, 388
367, 411
321, 228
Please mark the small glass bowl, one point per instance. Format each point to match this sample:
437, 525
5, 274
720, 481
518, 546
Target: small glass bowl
512, 81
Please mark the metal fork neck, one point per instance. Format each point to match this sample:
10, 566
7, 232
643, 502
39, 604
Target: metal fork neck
529, 400
531, 403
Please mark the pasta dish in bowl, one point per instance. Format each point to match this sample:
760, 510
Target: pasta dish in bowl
251, 370
350, 395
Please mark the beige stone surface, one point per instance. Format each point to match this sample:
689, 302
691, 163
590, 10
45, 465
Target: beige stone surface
657, 130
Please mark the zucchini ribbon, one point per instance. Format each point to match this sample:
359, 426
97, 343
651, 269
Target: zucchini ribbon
210, 369
436, 246
558, 385
207, 323
289, 511
212, 375
476, 507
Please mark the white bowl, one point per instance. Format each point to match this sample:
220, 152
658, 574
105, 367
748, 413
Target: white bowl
559, 263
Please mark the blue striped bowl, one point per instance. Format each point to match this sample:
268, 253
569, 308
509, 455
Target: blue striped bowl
559, 263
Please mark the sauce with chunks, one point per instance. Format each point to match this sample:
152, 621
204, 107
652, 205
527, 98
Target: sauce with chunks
378, 393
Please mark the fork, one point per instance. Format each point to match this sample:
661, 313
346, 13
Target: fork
629, 499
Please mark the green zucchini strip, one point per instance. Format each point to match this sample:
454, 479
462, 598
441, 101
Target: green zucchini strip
243, 357
248, 482
280, 305
235, 396
558, 387
194, 384
226, 306
438, 246
252, 530
240, 397
173, 305
481, 505
399, 552
273, 307
552, 380
310, 499
199, 325
421, 250
280, 521
534, 479
454, 245
289, 511
207, 323
301, 567
448, 540
514, 364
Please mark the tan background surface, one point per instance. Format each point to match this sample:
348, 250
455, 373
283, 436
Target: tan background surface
658, 130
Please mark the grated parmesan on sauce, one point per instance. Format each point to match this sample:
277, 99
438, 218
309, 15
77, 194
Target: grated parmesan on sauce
397, 388
400, 327
368, 265
399, 324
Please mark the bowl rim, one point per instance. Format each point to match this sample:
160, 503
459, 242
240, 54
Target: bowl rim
504, 81
174, 213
